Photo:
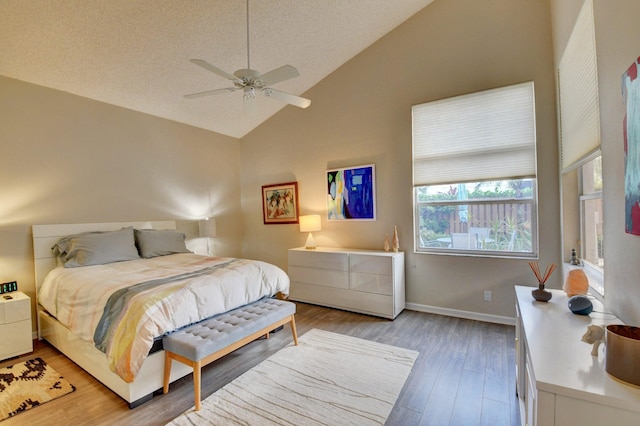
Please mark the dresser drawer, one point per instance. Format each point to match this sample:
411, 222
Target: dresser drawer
372, 283
317, 259
322, 277
369, 264
367, 303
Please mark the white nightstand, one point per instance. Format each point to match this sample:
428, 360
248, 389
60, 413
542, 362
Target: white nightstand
15, 325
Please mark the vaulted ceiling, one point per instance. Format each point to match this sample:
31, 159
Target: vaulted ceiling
135, 53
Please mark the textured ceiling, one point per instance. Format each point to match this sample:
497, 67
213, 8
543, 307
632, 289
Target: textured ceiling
135, 53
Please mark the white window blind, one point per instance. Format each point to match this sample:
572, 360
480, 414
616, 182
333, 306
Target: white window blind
578, 89
488, 135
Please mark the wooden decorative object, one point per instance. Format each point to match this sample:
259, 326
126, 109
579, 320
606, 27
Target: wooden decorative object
540, 294
396, 241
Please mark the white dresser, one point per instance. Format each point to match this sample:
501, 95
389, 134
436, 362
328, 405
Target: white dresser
15, 325
365, 281
558, 381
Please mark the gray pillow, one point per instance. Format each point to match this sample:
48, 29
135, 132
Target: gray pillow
154, 242
96, 248
61, 248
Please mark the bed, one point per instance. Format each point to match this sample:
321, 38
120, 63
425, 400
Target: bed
95, 311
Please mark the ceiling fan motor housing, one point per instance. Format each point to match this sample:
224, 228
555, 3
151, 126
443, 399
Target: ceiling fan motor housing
249, 78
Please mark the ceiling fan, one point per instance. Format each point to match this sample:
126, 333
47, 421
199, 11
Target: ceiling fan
251, 81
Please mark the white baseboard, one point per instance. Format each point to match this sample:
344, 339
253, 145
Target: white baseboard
461, 314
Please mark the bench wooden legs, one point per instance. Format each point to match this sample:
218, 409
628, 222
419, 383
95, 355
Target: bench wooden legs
197, 384
294, 333
197, 365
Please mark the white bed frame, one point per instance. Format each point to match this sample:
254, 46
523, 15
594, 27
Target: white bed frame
150, 378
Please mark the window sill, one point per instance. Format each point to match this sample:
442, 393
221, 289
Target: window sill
478, 253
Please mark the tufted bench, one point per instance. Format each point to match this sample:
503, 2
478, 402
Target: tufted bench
201, 343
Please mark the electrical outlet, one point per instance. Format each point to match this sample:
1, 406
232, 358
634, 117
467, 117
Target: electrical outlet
487, 296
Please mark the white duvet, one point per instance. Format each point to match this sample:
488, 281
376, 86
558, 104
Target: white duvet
157, 296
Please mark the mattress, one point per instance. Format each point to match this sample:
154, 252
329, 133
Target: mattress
123, 307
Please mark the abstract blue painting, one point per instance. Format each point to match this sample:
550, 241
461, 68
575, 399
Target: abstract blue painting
351, 193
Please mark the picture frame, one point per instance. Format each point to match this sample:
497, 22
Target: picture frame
631, 140
351, 193
280, 203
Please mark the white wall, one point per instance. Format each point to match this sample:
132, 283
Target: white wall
66, 159
362, 114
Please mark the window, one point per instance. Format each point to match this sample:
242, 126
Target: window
592, 219
474, 174
494, 216
581, 161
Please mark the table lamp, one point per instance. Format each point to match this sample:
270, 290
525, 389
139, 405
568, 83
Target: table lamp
207, 229
310, 223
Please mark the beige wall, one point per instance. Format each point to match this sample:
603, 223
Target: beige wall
362, 114
617, 46
66, 159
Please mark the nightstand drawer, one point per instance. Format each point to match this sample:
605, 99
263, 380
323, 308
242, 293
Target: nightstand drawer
15, 339
16, 309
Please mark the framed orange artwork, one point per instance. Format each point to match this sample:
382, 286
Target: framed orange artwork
280, 203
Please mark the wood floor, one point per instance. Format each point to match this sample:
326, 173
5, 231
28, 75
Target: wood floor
464, 375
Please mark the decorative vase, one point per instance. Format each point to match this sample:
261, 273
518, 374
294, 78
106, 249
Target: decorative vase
386, 242
623, 350
540, 294
396, 241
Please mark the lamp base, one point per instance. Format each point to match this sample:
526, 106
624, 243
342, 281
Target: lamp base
311, 243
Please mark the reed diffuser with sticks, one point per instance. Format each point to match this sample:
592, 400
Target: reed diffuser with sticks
540, 294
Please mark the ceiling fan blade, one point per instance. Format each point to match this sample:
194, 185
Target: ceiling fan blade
210, 92
206, 65
286, 97
283, 73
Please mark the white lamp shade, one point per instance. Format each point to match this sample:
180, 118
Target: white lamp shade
310, 223
207, 227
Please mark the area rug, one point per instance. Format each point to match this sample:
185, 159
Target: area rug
328, 379
26, 385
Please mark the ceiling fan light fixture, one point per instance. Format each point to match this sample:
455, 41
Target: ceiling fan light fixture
249, 93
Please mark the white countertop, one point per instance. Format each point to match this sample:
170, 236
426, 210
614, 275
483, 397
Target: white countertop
348, 250
562, 363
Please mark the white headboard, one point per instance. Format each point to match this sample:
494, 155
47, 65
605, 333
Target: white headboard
45, 236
